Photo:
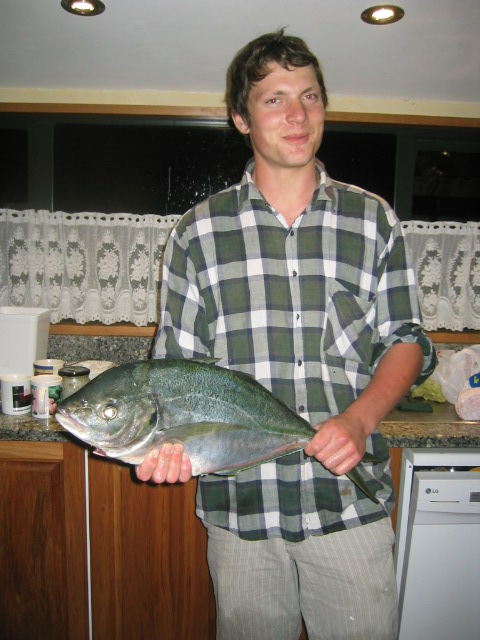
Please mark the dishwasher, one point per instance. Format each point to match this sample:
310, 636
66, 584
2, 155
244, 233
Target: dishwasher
437, 549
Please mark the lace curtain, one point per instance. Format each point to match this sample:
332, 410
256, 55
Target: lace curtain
93, 266
85, 266
446, 257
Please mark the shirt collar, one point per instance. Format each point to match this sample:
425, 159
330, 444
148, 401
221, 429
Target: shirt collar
323, 191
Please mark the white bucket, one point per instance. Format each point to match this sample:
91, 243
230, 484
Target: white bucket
23, 338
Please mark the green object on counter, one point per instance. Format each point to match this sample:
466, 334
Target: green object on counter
415, 405
429, 390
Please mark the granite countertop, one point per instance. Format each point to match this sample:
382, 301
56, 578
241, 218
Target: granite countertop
440, 429
32, 429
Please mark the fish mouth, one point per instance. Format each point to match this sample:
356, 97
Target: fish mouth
75, 428
72, 426
66, 421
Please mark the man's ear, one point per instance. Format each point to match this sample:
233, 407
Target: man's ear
241, 124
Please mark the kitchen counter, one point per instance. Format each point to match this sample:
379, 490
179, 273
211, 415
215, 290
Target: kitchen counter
26, 428
414, 429
440, 429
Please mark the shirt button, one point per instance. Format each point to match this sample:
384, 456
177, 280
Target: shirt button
301, 408
292, 232
294, 274
299, 363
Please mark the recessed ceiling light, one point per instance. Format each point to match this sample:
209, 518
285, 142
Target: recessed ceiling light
83, 7
383, 14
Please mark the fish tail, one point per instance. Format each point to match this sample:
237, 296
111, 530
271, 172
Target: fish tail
370, 457
355, 476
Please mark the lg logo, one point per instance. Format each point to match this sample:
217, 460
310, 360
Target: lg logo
428, 491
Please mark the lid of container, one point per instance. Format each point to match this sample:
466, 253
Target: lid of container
72, 371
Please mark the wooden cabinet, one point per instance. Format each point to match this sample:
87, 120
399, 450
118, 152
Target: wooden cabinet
148, 552
148, 556
43, 563
148, 570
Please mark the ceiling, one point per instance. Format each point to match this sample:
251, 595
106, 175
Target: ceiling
180, 46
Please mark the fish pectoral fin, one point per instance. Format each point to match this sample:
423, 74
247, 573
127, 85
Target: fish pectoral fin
234, 472
275, 456
205, 360
355, 476
229, 472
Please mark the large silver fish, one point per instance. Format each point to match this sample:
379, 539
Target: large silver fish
225, 419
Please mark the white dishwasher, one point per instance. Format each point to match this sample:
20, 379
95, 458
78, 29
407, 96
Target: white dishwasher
437, 550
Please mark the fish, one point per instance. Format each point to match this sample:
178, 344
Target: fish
225, 419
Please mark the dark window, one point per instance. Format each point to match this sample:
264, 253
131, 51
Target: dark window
366, 160
446, 186
13, 168
127, 164
168, 169
143, 169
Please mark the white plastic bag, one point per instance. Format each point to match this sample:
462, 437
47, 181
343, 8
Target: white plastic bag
454, 369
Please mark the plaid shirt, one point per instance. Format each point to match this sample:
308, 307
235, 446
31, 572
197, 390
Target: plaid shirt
308, 311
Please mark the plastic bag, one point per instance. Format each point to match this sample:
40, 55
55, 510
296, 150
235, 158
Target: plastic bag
454, 369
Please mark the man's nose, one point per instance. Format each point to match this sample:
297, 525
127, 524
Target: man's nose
296, 111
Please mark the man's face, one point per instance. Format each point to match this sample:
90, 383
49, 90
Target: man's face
286, 117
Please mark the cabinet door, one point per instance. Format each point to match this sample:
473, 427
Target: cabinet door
43, 562
148, 559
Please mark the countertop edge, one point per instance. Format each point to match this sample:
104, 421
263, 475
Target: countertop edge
439, 429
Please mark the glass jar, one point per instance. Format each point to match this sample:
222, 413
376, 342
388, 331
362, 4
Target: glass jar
74, 377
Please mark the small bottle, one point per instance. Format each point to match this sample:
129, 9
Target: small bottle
74, 378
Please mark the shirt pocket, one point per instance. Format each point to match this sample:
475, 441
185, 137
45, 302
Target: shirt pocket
350, 322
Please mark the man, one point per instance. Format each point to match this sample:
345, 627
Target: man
303, 282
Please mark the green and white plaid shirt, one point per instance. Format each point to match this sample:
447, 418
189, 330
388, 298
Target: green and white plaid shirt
308, 311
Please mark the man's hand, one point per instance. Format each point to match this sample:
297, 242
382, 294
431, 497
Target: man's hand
341, 440
169, 464
338, 444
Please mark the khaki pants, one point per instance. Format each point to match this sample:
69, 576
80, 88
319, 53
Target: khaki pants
343, 584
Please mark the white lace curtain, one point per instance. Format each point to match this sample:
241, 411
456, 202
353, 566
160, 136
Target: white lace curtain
446, 257
94, 266
85, 266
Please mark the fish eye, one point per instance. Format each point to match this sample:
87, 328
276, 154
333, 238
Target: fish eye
109, 412
84, 403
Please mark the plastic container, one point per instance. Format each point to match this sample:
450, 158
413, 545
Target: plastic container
23, 338
74, 377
